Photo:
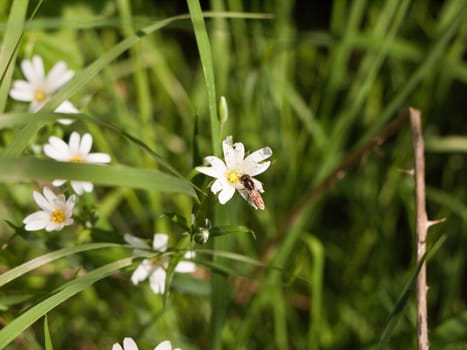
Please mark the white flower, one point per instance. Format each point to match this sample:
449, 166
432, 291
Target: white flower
38, 88
129, 344
165, 345
231, 174
56, 212
76, 151
155, 268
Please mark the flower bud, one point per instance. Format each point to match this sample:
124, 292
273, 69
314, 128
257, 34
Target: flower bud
202, 235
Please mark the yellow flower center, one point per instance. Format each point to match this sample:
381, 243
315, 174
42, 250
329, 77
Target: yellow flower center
40, 95
76, 159
58, 216
233, 176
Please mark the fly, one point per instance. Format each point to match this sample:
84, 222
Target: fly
253, 194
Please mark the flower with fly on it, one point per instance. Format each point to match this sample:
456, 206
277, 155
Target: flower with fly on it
230, 175
76, 151
155, 268
130, 344
39, 87
56, 212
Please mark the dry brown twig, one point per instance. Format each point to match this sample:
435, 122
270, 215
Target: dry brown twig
422, 225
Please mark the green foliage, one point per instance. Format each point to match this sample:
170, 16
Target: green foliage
311, 80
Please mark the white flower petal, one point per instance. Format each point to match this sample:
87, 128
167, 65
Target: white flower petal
66, 107
228, 150
117, 346
160, 242
258, 185
217, 168
57, 149
142, 271
68, 221
42, 201
65, 121
86, 144
33, 70
50, 195
36, 221
74, 143
58, 183
165, 345
53, 226
135, 241
157, 280
97, 157
78, 187
129, 344
226, 194
218, 185
239, 153
22, 91
36, 106
82, 186
58, 76
260, 155
253, 169
70, 203
186, 266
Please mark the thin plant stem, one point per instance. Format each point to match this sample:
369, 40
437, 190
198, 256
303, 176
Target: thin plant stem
422, 225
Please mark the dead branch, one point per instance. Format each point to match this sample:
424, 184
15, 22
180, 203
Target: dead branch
421, 227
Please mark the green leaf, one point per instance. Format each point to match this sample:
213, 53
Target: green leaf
9, 120
447, 144
205, 53
80, 80
30, 265
316, 250
178, 220
31, 169
229, 229
47, 339
399, 306
12, 35
26, 319
423, 69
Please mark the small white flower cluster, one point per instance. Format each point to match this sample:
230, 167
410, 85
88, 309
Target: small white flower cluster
236, 173
37, 89
155, 268
56, 210
130, 344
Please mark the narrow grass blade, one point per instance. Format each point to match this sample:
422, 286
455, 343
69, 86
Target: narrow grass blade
13, 34
447, 144
31, 169
10, 120
47, 338
19, 324
81, 79
423, 69
316, 282
205, 53
399, 306
30, 265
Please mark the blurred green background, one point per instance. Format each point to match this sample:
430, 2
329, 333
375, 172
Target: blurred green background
313, 81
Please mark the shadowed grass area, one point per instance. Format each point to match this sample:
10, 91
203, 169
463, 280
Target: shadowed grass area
328, 263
